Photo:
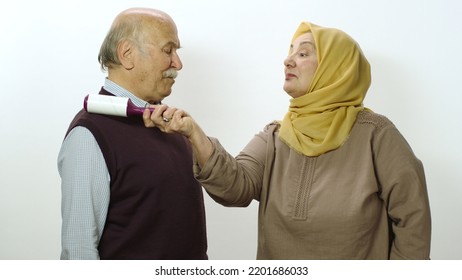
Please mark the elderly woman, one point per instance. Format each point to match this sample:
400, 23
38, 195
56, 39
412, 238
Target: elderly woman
334, 180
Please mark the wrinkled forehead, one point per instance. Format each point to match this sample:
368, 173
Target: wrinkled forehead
304, 39
161, 30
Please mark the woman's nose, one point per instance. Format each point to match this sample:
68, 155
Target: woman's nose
289, 62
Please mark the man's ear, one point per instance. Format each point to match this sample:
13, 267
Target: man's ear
126, 54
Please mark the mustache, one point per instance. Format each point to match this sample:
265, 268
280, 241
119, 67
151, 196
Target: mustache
170, 73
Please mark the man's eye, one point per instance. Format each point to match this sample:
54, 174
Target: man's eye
168, 51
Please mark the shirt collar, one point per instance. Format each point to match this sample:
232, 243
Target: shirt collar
117, 90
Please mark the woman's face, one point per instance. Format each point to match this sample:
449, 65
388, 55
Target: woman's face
300, 65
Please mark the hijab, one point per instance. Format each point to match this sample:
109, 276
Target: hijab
321, 120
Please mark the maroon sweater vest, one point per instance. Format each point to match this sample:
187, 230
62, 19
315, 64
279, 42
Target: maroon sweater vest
156, 208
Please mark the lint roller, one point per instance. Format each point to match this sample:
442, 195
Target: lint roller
111, 105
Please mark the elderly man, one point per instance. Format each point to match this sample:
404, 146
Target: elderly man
129, 192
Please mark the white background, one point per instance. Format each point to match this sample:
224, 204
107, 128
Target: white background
233, 54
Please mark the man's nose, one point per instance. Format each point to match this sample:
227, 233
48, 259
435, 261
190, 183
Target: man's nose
176, 62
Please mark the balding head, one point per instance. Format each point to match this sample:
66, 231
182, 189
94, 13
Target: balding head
143, 15
133, 24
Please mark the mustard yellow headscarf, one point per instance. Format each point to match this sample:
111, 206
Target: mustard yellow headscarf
321, 120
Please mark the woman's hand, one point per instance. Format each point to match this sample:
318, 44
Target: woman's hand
170, 119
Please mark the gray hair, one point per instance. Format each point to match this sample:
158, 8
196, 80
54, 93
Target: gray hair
123, 29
